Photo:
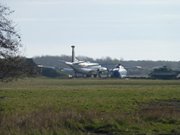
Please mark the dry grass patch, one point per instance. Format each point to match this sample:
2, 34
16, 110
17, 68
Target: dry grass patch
48, 120
167, 111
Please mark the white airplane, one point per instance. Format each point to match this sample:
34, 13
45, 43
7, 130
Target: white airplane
119, 72
85, 68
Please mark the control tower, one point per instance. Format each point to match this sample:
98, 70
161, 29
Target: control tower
73, 53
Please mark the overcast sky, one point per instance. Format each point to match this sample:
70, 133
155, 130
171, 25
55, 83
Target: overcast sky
128, 29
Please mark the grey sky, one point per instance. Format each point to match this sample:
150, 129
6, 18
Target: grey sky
129, 29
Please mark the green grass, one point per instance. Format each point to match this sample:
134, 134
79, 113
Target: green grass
91, 106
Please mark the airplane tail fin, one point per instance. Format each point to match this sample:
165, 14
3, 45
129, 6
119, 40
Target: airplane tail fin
76, 60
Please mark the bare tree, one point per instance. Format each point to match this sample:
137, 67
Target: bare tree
9, 38
11, 64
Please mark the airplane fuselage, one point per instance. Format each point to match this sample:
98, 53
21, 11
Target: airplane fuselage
86, 67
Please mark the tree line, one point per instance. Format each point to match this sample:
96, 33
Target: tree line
147, 66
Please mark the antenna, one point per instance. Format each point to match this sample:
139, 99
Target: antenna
73, 53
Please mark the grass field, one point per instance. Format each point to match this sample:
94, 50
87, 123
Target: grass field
42, 106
